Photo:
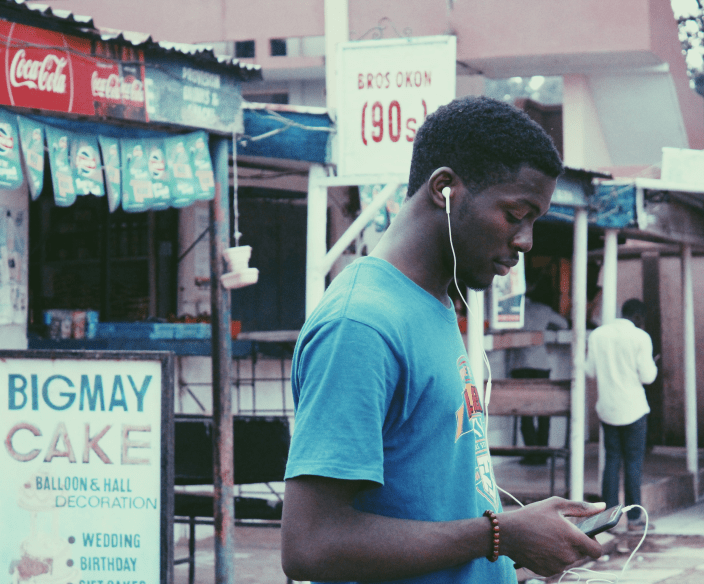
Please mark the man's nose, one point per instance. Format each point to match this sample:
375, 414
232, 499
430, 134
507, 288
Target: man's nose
523, 240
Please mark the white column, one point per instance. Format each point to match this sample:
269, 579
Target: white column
610, 277
337, 30
475, 337
690, 371
608, 310
579, 326
316, 244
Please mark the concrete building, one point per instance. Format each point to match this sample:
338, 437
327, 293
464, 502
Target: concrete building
625, 95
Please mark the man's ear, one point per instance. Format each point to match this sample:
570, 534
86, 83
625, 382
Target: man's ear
442, 178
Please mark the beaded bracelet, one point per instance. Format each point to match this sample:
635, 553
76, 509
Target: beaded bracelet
495, 535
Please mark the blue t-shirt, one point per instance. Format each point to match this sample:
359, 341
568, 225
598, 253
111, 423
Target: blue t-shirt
383, 393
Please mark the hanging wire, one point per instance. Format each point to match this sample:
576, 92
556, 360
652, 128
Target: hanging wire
377, 32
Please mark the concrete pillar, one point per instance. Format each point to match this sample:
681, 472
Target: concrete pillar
337, 30
583, 140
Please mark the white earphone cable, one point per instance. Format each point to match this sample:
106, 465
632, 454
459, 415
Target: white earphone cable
487, 393
487, 396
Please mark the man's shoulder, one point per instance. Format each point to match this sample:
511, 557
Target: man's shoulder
364, 292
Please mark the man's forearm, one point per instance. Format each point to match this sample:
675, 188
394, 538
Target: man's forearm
325, 538
352, 545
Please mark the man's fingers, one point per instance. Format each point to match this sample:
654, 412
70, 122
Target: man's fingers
591, 548
581, 508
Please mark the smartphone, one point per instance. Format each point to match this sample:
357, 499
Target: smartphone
601, 521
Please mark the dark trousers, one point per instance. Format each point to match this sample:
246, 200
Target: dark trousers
625, 443
532, 435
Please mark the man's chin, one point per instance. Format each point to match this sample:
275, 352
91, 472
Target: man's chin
477, 284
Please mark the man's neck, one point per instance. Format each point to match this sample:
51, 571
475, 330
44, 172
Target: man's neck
410, 246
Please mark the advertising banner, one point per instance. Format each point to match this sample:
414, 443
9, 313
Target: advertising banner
197, 144
32, 137
52, 71
110, 151
137, 194
84, 467
85, 165
10, 165
385, 90
60, 162
180, 94
158, 173
180, 165
508, 298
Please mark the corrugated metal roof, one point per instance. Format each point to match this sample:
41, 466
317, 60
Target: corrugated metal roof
70, 22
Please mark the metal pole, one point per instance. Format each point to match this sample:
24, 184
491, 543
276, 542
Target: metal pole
608, 312
579, 330
223, 439
690, 371
316, 244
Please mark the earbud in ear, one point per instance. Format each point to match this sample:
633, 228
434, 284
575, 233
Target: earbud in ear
446, 193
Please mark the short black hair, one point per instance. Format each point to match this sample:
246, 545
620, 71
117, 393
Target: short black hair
485, 141
633, 307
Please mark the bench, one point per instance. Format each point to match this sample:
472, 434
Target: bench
260, 455
533, 397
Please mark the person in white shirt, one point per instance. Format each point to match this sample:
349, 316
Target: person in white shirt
620, 356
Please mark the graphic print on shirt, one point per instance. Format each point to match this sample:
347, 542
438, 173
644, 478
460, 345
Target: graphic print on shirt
470, 420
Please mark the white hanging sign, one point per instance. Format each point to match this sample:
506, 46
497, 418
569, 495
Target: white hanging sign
508, 298
386, 89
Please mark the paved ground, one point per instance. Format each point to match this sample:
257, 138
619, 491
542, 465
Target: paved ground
257, 558
673, 553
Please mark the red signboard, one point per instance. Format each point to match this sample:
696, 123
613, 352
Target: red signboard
53, 71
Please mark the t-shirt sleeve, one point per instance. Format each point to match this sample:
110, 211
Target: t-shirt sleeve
345, 377
647, 369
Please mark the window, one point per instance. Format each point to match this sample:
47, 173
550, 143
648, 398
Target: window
244, 49
84, 258
278, 47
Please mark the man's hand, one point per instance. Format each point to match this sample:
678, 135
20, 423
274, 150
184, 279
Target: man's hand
540, 538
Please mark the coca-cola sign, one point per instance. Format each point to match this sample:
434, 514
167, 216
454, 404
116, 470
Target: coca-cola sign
38, 74
51, 71
117, 88
86, 78
45, 75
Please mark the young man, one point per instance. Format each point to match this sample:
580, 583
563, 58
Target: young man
620, 356
389, 475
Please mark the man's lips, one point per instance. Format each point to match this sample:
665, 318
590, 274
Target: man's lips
504, 266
